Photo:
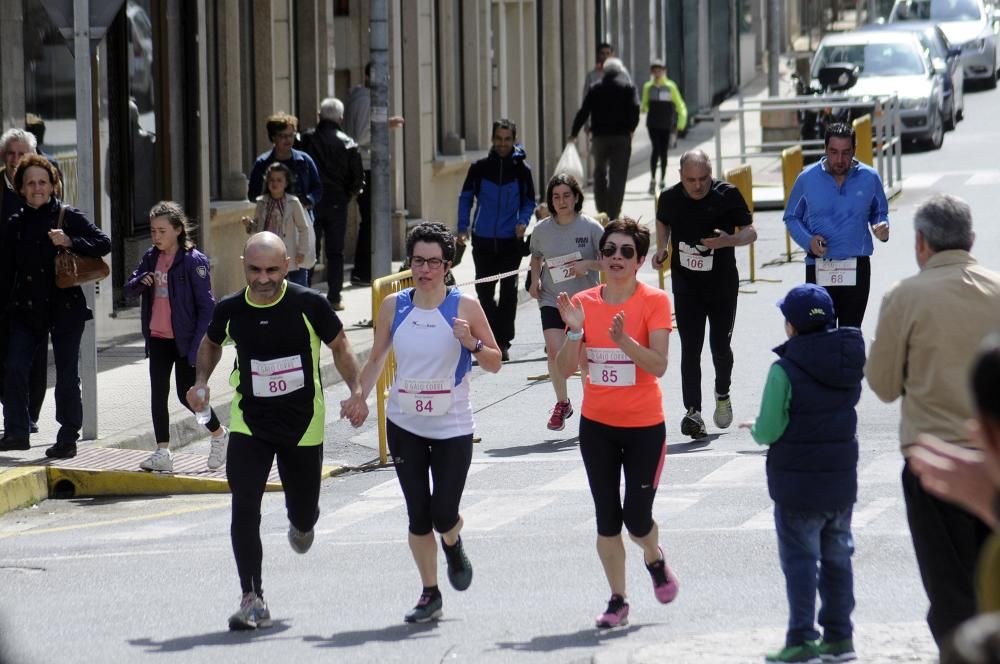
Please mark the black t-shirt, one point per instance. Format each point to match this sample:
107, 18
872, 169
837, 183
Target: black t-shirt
693, 266
276, 375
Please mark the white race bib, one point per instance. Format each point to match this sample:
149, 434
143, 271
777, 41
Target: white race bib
428, 398
273, 378
610, 367
693, 257
561, 267
830, 272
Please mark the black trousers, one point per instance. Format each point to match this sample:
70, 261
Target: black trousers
849, 302
659, 140
164, 358
248, 463
363, 249
494, 256
38, 378
947, 541
693, 310
611, 155
331, 223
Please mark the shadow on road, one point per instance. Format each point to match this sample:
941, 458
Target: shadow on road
693, 445
547, 446
584, 638
390, 634
226, 638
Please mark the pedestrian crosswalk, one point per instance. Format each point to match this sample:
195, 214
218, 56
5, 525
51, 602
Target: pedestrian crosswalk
952, 180
710, 492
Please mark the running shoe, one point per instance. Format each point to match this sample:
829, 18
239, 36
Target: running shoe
665, 584
220, 446
300, 541
692, 425
563, 411
253, 613
807, 653
428, 608
837, 651
723, 415
160, 461
652, 187
616, 614
459, 567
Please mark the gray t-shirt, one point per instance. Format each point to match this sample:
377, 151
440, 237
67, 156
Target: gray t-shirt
559, 245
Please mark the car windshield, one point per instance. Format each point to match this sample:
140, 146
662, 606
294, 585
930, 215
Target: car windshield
937, 10
892, 59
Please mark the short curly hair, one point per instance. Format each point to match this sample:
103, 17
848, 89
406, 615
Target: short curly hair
632, 228
569, 181
435, 233
279, 122
29, 160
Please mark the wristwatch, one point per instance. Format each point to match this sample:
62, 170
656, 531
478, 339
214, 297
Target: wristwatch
478, 348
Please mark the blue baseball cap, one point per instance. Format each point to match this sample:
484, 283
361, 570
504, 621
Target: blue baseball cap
808, 308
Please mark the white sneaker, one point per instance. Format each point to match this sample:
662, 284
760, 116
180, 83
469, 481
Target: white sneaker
161, 460
220, 445
723, 415
253, 613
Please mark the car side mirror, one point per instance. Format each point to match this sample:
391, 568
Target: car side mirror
954, 52
938, 66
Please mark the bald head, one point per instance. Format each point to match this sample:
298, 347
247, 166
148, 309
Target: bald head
265, 264
696, 157
696, 174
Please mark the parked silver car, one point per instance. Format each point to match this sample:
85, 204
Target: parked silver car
968, 24
892, 62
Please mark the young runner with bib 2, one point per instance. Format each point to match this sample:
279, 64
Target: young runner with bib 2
618, 333
433, 331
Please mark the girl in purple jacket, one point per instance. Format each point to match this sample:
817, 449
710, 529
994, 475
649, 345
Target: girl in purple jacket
177, 304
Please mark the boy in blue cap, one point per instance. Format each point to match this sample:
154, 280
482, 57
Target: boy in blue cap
808, 420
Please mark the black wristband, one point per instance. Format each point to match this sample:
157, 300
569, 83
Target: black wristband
478, 348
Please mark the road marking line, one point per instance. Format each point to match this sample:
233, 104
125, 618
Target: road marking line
492, 513
762, 520
740, 470
884, 469
390, 488
984, 178
871, 511
356, 512
922, 180
574, 480
113, 522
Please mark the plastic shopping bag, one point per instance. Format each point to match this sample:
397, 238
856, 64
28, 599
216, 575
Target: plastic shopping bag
570, 164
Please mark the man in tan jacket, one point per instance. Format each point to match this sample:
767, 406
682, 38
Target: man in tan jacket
930, 326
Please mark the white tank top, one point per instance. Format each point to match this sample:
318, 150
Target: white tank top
430, 394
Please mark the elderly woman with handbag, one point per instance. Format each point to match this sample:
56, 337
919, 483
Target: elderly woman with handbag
43, 234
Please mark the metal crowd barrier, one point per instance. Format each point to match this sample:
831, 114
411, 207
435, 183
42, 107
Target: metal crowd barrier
382, 287
792, 162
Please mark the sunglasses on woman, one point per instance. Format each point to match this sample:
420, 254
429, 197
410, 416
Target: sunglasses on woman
627, 250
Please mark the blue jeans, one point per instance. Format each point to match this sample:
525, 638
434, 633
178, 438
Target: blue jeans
300, 277
24, 340
815, 550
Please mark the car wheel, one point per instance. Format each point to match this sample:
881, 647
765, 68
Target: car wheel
936, 136
991, 82
952, 119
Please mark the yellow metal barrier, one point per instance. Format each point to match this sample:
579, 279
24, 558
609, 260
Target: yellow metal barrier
863, 132
380, 289
791, 165
742, 178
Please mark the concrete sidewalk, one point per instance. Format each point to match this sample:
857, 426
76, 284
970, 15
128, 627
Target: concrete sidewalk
123, 381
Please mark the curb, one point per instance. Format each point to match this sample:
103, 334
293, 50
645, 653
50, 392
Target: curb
22, 487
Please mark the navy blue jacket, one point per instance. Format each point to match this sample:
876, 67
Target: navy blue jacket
308, 186
814, 465
189, 286
504, 195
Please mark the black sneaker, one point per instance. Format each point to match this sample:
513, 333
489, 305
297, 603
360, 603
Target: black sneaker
459, 567
692, 425
10, 444
33, 427
428, 608
359, 281
61, 451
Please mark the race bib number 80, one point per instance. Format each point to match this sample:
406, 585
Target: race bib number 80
273, 378
610, 367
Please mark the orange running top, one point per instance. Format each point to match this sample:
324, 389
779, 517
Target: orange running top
616, 392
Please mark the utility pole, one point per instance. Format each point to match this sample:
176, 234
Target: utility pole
381, 210
773, 46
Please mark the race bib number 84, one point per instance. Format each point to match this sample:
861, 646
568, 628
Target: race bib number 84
273, 378
427, 398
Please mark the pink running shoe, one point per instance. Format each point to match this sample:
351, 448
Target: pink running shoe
665, 583
616, 615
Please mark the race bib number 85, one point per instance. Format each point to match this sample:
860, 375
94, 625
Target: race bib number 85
273, 378
610, 367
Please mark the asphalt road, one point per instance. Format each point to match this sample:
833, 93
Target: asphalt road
153, 579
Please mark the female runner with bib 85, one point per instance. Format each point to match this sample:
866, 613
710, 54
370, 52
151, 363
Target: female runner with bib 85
433, 331
618, 334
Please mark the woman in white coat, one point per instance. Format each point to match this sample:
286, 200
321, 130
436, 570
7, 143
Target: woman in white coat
282, 213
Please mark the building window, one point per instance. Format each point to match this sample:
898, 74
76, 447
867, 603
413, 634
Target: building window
341, 7
449, 64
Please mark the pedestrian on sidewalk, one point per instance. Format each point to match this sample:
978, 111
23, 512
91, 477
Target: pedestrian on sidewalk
433, 331
173, 278
666, 113
929, 328
618, 334
339, 163
809, 423
282, 131
613, 108
36, 307
703, 219
504, 193
594, 76
279, 410
565, 244
281, 213
835, 207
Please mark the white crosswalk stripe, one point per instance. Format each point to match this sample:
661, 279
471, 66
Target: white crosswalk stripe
968, 178
492, 513
741, 470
